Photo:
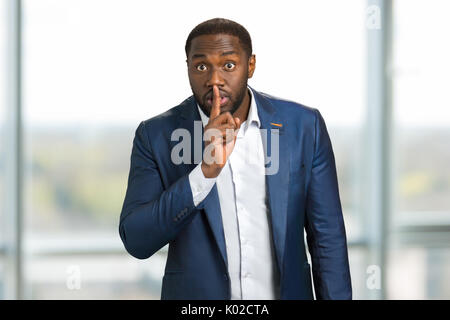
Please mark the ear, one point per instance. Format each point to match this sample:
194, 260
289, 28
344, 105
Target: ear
251, 65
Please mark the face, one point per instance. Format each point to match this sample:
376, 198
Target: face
220, 60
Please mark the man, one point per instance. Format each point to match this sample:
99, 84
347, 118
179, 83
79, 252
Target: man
234, 225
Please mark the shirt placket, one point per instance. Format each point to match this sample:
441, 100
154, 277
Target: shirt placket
238, 164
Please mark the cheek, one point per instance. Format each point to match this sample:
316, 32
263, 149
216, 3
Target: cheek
238, 78
195, 82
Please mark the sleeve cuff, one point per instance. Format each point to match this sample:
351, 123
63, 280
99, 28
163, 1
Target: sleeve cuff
200, 185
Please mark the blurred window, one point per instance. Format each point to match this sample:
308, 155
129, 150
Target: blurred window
421, 149
3, 51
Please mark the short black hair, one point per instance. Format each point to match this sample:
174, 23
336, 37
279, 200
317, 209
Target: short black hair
221, 25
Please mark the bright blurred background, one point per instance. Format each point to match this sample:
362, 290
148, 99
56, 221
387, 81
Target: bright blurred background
78, 76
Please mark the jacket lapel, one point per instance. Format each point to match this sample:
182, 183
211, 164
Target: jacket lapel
277, 182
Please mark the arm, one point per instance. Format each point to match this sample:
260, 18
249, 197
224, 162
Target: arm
151, 217
324, 222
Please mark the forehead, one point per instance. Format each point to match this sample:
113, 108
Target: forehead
215, 44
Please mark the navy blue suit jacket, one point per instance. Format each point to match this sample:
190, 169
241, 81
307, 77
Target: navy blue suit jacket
303, 195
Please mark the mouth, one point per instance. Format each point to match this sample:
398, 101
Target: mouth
224, 99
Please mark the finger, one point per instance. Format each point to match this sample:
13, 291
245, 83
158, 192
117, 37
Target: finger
229, 135
224, 118
225, 126
238, 126
230, 120
226, 136
215, 109
237, 121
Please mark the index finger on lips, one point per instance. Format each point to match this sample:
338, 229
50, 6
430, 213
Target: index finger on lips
215, 108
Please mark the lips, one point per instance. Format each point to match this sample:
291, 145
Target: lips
223, 101
224, 98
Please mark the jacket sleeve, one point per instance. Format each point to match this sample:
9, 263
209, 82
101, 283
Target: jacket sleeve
324, 222
151, 215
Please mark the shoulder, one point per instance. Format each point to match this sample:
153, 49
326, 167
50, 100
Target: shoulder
288, 109
168, 119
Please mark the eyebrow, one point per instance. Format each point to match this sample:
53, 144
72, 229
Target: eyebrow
226, 53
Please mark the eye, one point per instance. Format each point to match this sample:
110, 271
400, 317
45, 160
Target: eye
229, 66
201, 67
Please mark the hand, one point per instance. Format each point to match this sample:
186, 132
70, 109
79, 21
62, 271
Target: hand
220, 138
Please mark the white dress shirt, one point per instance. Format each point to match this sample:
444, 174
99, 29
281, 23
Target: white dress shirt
245, 215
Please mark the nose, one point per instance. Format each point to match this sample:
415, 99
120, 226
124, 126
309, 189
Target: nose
215, 78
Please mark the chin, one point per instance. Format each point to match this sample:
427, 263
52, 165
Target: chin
227, 109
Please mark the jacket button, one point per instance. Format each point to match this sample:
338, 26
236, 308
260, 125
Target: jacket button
225, 277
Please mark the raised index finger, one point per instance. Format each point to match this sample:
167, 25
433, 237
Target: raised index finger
215, 109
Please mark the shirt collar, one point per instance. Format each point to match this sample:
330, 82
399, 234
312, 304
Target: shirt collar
251, 118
